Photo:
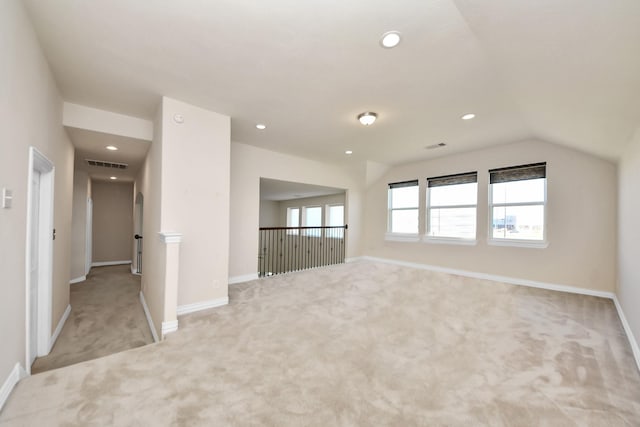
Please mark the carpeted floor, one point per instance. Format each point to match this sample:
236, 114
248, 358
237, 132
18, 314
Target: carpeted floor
360, 344
106, 318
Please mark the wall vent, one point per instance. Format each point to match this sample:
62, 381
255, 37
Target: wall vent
103, 164
431, 147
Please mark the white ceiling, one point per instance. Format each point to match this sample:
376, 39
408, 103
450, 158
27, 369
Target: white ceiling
275, 190
566, 71
91, 145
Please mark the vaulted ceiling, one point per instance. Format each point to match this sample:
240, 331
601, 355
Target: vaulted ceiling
566, 71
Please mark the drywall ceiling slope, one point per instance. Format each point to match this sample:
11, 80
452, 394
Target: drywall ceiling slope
564, 71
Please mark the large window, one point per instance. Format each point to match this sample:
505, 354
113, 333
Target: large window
335, 218
403, 207
312, 217
451, 206
517, 203
293, 219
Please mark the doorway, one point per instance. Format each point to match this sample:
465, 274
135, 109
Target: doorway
138, 217
39, 256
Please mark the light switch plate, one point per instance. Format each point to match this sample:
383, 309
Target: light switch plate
7, 198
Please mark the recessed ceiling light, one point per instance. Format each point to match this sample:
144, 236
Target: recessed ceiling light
261, 126
367, 118
468, 116
111, 147
348, 152
113, 177
390, 39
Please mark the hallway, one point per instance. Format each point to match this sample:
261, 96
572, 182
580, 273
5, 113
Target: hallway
106, 318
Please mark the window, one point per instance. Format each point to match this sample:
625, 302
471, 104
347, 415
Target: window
312, 217
403, 207
335, 218
451, 206
293, 219
517, 203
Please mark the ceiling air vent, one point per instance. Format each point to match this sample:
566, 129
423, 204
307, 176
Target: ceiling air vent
103, 164
431, 147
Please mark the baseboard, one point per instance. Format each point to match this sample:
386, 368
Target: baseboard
147, 314
198, 306
168, 327
353, 259
17, 373
106, 263
244, 278
627, 329
58, 330
77, 280
134, 271
496, 278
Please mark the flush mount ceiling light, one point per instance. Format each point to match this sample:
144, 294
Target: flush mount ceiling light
468, 116
348, 152
113, 177
261, 126
390, 39
111, 148
367, 118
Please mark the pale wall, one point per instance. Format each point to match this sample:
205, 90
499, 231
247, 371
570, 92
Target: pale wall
112, 221
195, 197
249, 164
79, 224
30, 115
270, 214
629, 234
149, 184
581, 212
333, 199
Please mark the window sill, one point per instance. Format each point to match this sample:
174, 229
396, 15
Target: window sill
449, 241
536, 244
402, 237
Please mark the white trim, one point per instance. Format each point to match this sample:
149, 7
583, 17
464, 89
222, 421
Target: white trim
61, 323
244, 278
496, 278
169, 326
77, 280
353, 259
449, 241
537, 244
40, 164
204, 305
402, 237
17, 373
147, 314
134, 271
106, 263
632, 340
170, 237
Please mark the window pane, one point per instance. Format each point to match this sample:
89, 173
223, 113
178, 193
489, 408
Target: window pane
518, 222
313, 217
336, 216
530, 190
293, 217
404, 221
405, 197
455, 222
451, 195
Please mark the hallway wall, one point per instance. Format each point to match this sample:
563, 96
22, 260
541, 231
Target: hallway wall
112, 221
30, 115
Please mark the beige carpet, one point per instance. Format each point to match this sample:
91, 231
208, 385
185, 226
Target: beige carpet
106, 318
362, 344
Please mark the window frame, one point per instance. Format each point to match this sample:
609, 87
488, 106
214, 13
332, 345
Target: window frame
524, 243
450, 239
398, 236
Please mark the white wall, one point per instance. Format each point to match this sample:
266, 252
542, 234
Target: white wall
581, 212
195, 197
249, 164
270, 214
79, 224
629, 234
30, 115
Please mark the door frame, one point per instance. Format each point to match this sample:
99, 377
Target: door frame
39, 163
88, 246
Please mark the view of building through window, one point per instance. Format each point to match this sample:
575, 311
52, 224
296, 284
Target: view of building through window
517, 209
